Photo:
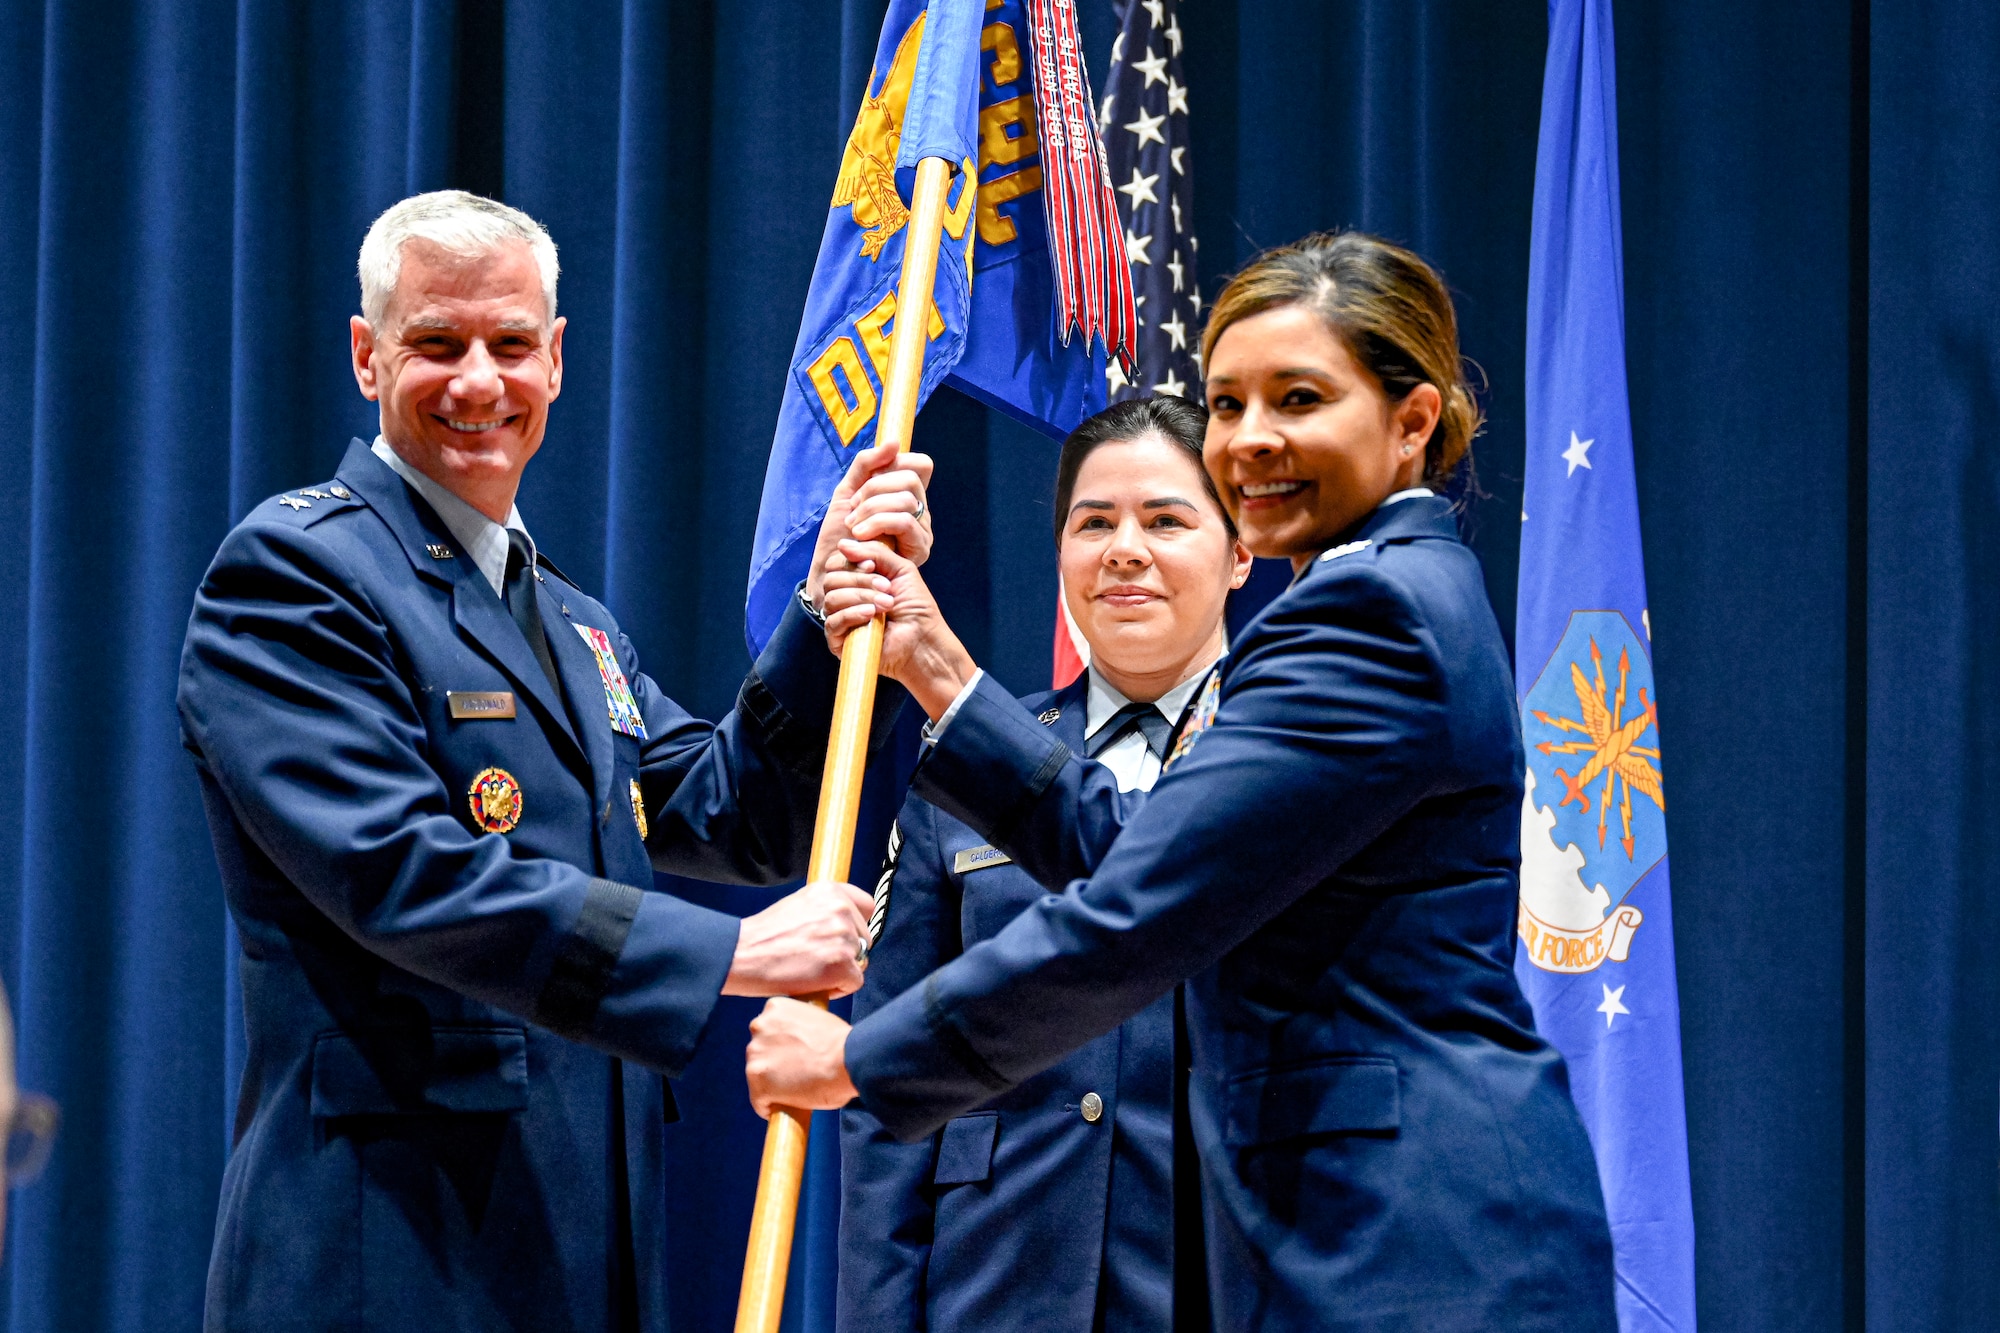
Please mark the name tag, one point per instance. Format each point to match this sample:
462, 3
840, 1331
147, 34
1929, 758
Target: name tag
979, 858
480, 703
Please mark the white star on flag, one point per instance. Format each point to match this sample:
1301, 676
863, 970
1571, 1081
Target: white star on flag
1578, 454
1614, 1004
1173, 33
1114, 375
1176, 330
1153, 67
1178, 388
1157, 8
1174, 156
1140, 189
1135, 247
1174, 264
1176, 98
1194, 299
1148, 129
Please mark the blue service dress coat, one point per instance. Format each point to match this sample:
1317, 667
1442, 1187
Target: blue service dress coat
1040, 1211
1332, 857
459, 986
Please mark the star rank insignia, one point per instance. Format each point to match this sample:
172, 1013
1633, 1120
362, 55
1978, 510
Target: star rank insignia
294, 502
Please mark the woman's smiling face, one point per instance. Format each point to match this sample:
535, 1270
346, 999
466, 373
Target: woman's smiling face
1147, 563
1302, 442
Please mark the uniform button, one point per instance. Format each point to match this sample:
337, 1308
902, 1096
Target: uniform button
1093, 1107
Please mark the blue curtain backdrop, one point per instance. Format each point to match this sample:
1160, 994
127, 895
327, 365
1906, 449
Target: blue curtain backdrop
1812, 239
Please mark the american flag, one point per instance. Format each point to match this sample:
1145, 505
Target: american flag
1143, 118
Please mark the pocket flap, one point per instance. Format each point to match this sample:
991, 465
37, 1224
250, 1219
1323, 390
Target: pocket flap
1345, 1094
420, 1071
965, 1151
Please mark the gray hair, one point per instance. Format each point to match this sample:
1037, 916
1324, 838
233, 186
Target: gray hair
460, 223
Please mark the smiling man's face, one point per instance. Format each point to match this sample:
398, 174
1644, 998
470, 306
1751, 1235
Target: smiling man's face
465, 365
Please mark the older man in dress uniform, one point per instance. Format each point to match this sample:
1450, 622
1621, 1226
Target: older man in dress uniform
438, 785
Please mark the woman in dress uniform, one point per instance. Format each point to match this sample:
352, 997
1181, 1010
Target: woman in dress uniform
1331, 859
1050, 1207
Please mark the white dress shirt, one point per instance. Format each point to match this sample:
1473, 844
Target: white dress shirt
483, 539
1131, 761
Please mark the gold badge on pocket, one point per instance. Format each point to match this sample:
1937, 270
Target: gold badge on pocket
496, 800
639, 810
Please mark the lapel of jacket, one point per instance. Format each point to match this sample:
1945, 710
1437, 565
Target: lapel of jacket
1071, 699
576, 663
477, 611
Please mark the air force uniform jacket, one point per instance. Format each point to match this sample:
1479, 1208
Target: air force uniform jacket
1332, 856
1050, 1207
459, 986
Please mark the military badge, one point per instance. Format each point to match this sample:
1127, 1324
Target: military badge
496, 800
618, 700
1199, 720
1603, 826
639, 810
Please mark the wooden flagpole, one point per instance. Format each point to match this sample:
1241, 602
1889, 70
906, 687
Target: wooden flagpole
783, 1171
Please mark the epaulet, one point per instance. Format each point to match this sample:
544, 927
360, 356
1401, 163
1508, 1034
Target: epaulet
308, 504
550, 565
1342, 551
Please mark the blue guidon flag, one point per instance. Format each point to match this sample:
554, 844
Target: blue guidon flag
1033, 290
1596, 947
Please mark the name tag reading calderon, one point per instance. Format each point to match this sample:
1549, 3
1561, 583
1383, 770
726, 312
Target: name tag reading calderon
480, 703
979, 858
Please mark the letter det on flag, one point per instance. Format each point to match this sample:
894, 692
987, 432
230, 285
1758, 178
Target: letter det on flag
955, 79
1596, 948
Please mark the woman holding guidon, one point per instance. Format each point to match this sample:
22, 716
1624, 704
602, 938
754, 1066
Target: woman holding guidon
1050, 1207
1331, 858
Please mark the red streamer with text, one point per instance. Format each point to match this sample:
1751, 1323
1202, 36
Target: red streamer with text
1086, 239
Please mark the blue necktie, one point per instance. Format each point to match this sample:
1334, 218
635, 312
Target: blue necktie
1149, 721
525, 607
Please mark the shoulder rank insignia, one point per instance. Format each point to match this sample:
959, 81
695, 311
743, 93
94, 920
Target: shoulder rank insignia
880, 916
340, 492
618, 700
294, 502
984, 857
1047, 717
496, 800
1347, 548
438, 550
639, 810
315, 493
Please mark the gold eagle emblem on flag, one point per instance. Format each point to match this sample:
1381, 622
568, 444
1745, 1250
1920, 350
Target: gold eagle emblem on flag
867, 180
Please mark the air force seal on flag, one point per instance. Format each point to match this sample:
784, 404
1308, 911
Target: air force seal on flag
1593, 819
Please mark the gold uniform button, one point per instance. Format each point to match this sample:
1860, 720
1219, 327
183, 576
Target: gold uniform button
1093, 1107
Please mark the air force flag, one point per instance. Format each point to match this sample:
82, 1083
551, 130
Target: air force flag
1596, 948
956, 79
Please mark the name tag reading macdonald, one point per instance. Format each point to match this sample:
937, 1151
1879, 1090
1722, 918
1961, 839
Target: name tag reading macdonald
480, 703
979, 858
